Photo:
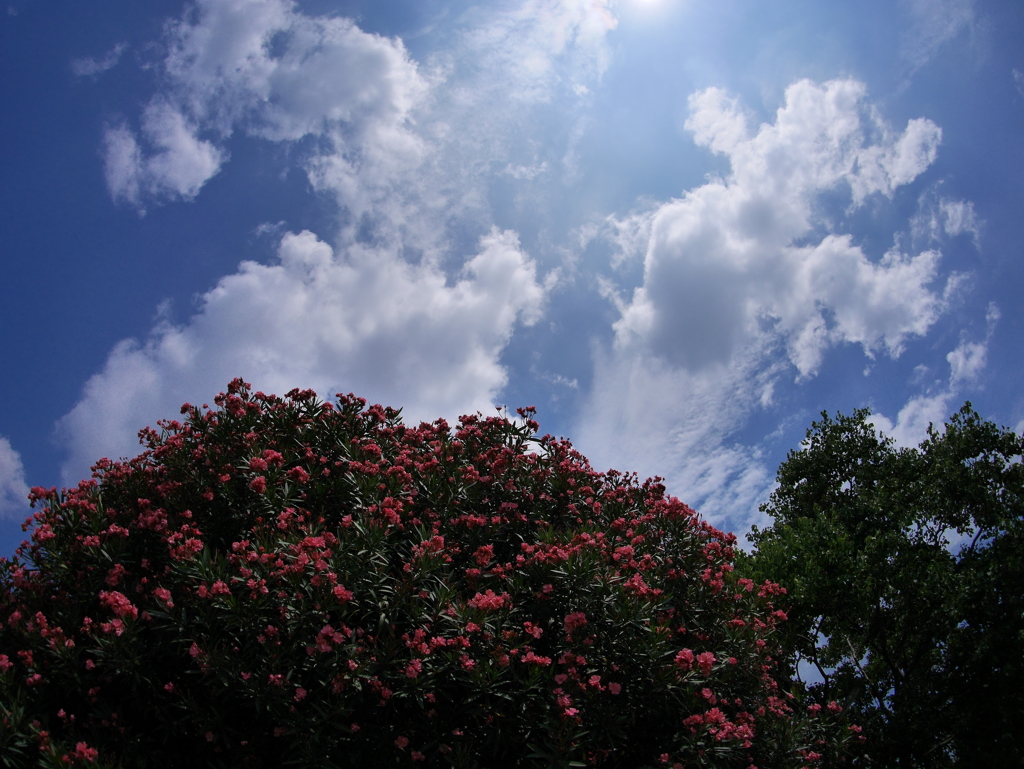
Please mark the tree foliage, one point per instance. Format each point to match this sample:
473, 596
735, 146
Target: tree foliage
288, 582
904, 569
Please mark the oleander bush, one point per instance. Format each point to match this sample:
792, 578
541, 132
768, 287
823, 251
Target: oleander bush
290, 582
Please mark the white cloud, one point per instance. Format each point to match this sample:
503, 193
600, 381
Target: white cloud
261, 67
629, 235
645, 416
405, 149
541, 45
722, 261
13, 489
408, 148
958, 217
942, 218
913, 420
123, 165
89, 66
363, 321
177, 168
966, 364
737, 289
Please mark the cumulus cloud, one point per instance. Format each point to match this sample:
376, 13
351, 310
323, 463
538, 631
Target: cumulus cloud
263, 68
407, 150
913, 420
723, 262
13, 489
744, 279
401, 146
363, 321
177, 166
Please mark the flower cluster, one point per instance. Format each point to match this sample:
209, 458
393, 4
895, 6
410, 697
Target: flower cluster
285, 580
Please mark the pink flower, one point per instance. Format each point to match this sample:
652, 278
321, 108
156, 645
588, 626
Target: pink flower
300, 694
118, 603
714, 716
614, 688
533, 629
575, 620
414, 668
401, 742
258, 484
417, 756
115, 575
85, 753
342, 594
533, 659
489, 601
705, 660
684, 659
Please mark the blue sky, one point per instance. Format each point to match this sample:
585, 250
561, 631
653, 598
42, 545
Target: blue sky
680, 229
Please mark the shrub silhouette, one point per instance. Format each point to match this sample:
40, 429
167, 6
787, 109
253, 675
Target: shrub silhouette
280, 582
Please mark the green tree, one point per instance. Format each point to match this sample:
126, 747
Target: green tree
905, 576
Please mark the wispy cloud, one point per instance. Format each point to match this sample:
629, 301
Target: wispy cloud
933, 23
13, 489
89, 66
939, 218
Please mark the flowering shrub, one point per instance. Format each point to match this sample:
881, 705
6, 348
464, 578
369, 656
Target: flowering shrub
280, 582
